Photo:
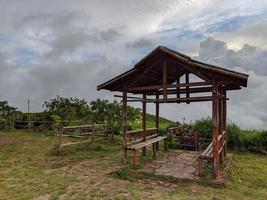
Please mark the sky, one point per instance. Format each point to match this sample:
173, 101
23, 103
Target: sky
67, 48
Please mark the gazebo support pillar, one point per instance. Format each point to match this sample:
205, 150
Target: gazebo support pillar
157, 118
144, 123
225, 121
215, 129
221, 125
124, 124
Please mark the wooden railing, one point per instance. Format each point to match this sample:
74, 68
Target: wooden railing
91, 133
186, 137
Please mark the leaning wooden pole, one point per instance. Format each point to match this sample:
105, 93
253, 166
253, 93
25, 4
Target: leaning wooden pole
215, 129
124, 123
144, 123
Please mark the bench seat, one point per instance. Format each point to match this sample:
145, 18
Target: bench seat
145, 143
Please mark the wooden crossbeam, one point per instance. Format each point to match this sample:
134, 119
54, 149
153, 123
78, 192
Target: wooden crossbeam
192, 90
173, 100
157, 87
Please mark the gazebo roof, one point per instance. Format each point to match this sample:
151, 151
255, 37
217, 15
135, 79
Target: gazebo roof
148, 71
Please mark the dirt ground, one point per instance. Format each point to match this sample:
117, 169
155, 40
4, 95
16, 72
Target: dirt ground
178, 163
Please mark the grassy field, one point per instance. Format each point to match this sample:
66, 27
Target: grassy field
30, 169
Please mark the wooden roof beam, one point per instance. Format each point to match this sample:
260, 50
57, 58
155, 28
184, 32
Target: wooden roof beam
157, 87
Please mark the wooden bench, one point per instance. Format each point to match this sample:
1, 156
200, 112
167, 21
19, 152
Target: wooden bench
136, 142
206, 155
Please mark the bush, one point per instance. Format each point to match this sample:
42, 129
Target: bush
117, 129
237, 139
233, 136
162, 131
204, 126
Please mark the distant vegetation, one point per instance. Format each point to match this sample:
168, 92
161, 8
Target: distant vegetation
70, 111
238, 139
73, 111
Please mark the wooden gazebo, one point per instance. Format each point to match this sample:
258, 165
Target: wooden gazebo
158, 78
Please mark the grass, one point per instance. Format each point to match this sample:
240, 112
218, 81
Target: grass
28, 170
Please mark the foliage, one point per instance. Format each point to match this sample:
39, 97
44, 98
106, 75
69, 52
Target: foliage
204, 126
67, 108
7, 114
237, 139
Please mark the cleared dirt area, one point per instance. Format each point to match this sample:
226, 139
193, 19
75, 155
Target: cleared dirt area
178, 163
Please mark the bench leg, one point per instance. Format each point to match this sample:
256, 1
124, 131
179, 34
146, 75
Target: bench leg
154, 147
135, 157
157, 146
165, 144
124, 156
144, 151
200, 167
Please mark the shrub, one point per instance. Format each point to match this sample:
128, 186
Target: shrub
117, 129
237, 139
162, 131
233, 136
204, 126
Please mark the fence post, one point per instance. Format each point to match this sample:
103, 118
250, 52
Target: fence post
93, 132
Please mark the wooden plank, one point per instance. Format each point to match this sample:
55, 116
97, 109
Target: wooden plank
140, 140
191, 90
157, 87
183, 99
146, 143
85, 141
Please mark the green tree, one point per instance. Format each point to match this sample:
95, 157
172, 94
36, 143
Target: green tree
8, 114
67, 109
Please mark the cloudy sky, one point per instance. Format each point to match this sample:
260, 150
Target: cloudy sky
68, 47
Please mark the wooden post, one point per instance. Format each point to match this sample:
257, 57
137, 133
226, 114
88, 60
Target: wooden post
93, 131
157, 119
124, 123
165, 80
221, 125
135, 157
61, 135
144, 123
225, 121
187, 87
215, 129
200, 167
178, 90
154, 150
165, 144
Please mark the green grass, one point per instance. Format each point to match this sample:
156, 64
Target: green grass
29, 169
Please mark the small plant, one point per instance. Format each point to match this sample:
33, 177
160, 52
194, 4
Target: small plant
162, 131
94, 147
123, 173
